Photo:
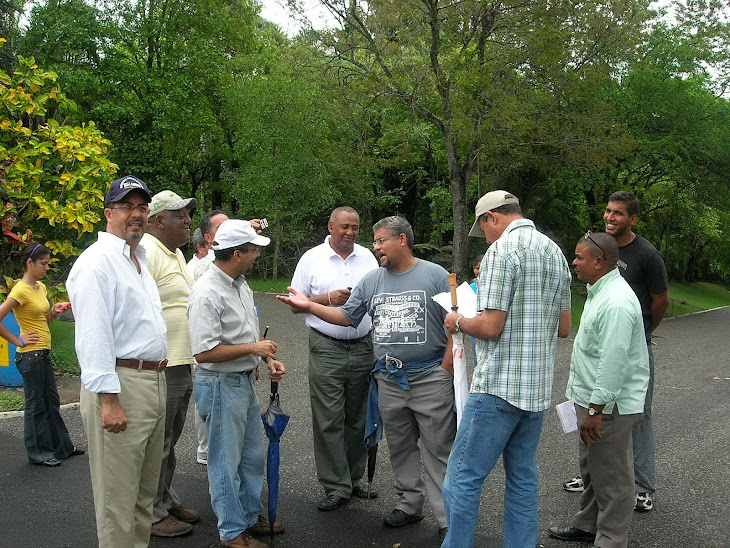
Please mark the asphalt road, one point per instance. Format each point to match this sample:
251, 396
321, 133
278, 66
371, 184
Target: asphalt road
53, 507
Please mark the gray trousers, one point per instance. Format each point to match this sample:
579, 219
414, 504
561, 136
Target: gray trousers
179, 389
424, 412
339, 379
643, 439
607, 467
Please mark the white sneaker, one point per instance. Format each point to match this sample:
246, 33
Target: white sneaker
574, 485
202, 461
644, 502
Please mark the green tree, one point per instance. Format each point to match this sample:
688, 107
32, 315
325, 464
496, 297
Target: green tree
54, 174
474, 69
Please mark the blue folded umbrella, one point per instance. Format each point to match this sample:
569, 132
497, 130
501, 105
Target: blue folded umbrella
275, 421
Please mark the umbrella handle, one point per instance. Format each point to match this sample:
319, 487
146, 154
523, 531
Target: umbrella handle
274, 388
452, 288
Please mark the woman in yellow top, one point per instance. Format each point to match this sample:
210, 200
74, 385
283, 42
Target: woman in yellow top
46, 436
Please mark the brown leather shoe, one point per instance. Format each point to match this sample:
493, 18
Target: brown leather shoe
188, 515
263, 527
170, 527
244, 540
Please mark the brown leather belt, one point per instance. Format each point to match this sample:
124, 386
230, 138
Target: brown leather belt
142, 364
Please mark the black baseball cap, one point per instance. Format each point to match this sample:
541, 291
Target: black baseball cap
121, 187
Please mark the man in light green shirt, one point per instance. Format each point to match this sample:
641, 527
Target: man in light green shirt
609, 374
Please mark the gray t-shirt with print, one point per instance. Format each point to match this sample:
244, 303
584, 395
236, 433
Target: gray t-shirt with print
407, 323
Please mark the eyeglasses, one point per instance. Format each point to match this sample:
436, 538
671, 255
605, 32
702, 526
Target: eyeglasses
127, 208
588, 237
380, 241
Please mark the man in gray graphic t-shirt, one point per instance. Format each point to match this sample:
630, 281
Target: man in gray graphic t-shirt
414, 369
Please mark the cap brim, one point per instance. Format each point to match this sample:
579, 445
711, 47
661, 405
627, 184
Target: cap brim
261, 240
190, 203
476, 231
119, 198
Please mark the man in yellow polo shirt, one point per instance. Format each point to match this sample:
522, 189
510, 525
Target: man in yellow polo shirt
169, 228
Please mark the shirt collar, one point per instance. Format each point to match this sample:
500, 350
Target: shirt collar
149, 239
122, 246
602, 281
225, 278
331, 252
518, 223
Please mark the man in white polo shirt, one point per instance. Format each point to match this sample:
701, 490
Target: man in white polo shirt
168, 228
340, 360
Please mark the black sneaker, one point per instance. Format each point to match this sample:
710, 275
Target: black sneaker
398, 518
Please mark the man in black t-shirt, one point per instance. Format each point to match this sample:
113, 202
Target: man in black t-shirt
642, 267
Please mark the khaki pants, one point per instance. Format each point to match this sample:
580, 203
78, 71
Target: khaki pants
125, 467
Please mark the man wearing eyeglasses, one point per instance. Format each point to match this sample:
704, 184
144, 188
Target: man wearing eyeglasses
643, 268
524, 306
226, 342
413, 375
609, 375
121, 345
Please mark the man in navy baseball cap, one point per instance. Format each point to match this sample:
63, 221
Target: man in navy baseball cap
121, 187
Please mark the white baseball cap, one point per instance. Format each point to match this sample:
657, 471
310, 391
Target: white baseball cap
234, 232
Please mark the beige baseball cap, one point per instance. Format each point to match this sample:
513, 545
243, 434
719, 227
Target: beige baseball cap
167, 200
488, 202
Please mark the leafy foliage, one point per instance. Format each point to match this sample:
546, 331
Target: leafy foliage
54, 175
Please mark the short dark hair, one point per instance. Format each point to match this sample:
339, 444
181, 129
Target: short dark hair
205, 224
342, 209
632, 203
508, 209
225, 255
397, 226
34, 251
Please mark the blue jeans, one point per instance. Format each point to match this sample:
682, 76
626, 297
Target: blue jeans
643, 439
491, 427
228, 404
46, 435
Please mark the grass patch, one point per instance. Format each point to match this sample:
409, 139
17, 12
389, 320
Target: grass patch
63, 351
268, 285
10, 400
685, 298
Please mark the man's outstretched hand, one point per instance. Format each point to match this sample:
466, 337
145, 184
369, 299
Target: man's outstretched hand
298, 302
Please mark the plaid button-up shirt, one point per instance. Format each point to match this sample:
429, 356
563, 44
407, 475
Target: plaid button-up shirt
525, 274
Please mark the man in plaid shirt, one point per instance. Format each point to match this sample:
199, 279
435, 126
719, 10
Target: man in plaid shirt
524, 299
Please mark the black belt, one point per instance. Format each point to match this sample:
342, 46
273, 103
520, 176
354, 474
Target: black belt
349, 341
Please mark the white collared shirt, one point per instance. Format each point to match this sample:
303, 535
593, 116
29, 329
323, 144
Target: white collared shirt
117, 311
321, 270
192, 263
203, 264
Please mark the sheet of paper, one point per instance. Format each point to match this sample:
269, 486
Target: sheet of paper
567, 416
465, 298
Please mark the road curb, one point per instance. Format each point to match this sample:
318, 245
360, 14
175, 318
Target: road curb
13, 414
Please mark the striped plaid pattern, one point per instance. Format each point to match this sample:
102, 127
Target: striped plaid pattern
525, 274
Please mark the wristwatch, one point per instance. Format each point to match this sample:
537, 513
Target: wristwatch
456, 324
593, 412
